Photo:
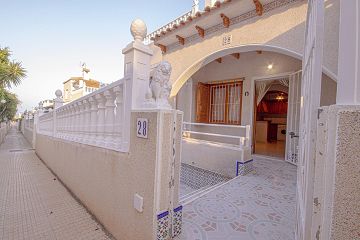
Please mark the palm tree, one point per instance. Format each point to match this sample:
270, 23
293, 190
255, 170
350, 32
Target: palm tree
11, 72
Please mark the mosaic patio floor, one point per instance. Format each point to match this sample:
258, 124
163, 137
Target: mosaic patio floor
193, 179
258, 206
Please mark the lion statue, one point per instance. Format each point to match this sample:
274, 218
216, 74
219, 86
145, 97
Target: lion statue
159, 87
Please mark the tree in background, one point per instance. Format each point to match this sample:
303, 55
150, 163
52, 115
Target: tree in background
8, 109
11, 74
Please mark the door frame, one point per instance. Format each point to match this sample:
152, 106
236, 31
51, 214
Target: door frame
252, 103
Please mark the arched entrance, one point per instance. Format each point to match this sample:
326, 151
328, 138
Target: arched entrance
244, 64
197, 65
214, 148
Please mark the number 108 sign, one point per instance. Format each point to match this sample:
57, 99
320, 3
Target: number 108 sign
142, 128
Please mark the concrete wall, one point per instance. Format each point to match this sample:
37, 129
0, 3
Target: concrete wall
214, 157
346, 205
336, 207
105, 181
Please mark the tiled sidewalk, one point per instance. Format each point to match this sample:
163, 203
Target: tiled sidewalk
258, 206
33, 203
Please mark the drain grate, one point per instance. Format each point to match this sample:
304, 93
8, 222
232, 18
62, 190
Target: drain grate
21, 150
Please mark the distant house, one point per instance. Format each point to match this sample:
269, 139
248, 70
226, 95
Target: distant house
48, 103
76, 87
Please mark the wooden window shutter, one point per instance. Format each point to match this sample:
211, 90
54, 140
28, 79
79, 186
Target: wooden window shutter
202, 103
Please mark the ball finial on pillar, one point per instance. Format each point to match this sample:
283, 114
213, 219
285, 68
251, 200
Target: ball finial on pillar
138, 29
58, 93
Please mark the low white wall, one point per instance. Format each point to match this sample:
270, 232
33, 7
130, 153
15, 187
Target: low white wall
224, 130
214, 157
105, 181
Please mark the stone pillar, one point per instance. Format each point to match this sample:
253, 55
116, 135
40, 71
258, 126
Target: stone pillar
137, 58
348, 85
35, 128
58, 102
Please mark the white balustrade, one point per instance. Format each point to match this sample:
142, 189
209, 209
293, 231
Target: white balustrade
119, 116
109, 117
46, 123
96, 119
171, 25
86, 128
100, 126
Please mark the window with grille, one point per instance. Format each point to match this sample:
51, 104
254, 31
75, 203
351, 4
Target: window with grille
219, 103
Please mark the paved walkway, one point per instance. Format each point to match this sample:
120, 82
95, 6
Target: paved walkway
258, 206
33, 203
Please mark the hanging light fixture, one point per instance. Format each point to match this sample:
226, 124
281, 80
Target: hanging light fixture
280, 97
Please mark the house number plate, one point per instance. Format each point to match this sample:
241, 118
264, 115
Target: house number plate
142, 127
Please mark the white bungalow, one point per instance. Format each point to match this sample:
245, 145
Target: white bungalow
238, 64
237, 72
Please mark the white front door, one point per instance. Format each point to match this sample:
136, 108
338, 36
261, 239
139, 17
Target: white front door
293, 118
310, 103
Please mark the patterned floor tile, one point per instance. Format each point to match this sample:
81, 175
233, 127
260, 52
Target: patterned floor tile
258, 206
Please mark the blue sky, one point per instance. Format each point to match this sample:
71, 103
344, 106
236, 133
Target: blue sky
51, 37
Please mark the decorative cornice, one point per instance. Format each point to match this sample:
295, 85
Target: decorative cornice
235, 20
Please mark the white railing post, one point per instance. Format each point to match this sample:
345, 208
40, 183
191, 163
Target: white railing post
109, 117
58, 102
119, 117
78, 121
72, 122
66, 122
35, 128
54, 123
93, 119
62, 123
100, 99
87, 127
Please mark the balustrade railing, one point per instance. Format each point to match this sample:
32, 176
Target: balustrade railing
167, 27
29, 123
96, 119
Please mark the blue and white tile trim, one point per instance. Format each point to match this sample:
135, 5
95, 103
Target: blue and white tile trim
163, 226
243, 168
177, 221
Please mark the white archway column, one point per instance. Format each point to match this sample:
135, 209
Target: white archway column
348, 87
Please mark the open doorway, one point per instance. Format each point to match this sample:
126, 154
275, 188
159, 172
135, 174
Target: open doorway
271, 118
276, 116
